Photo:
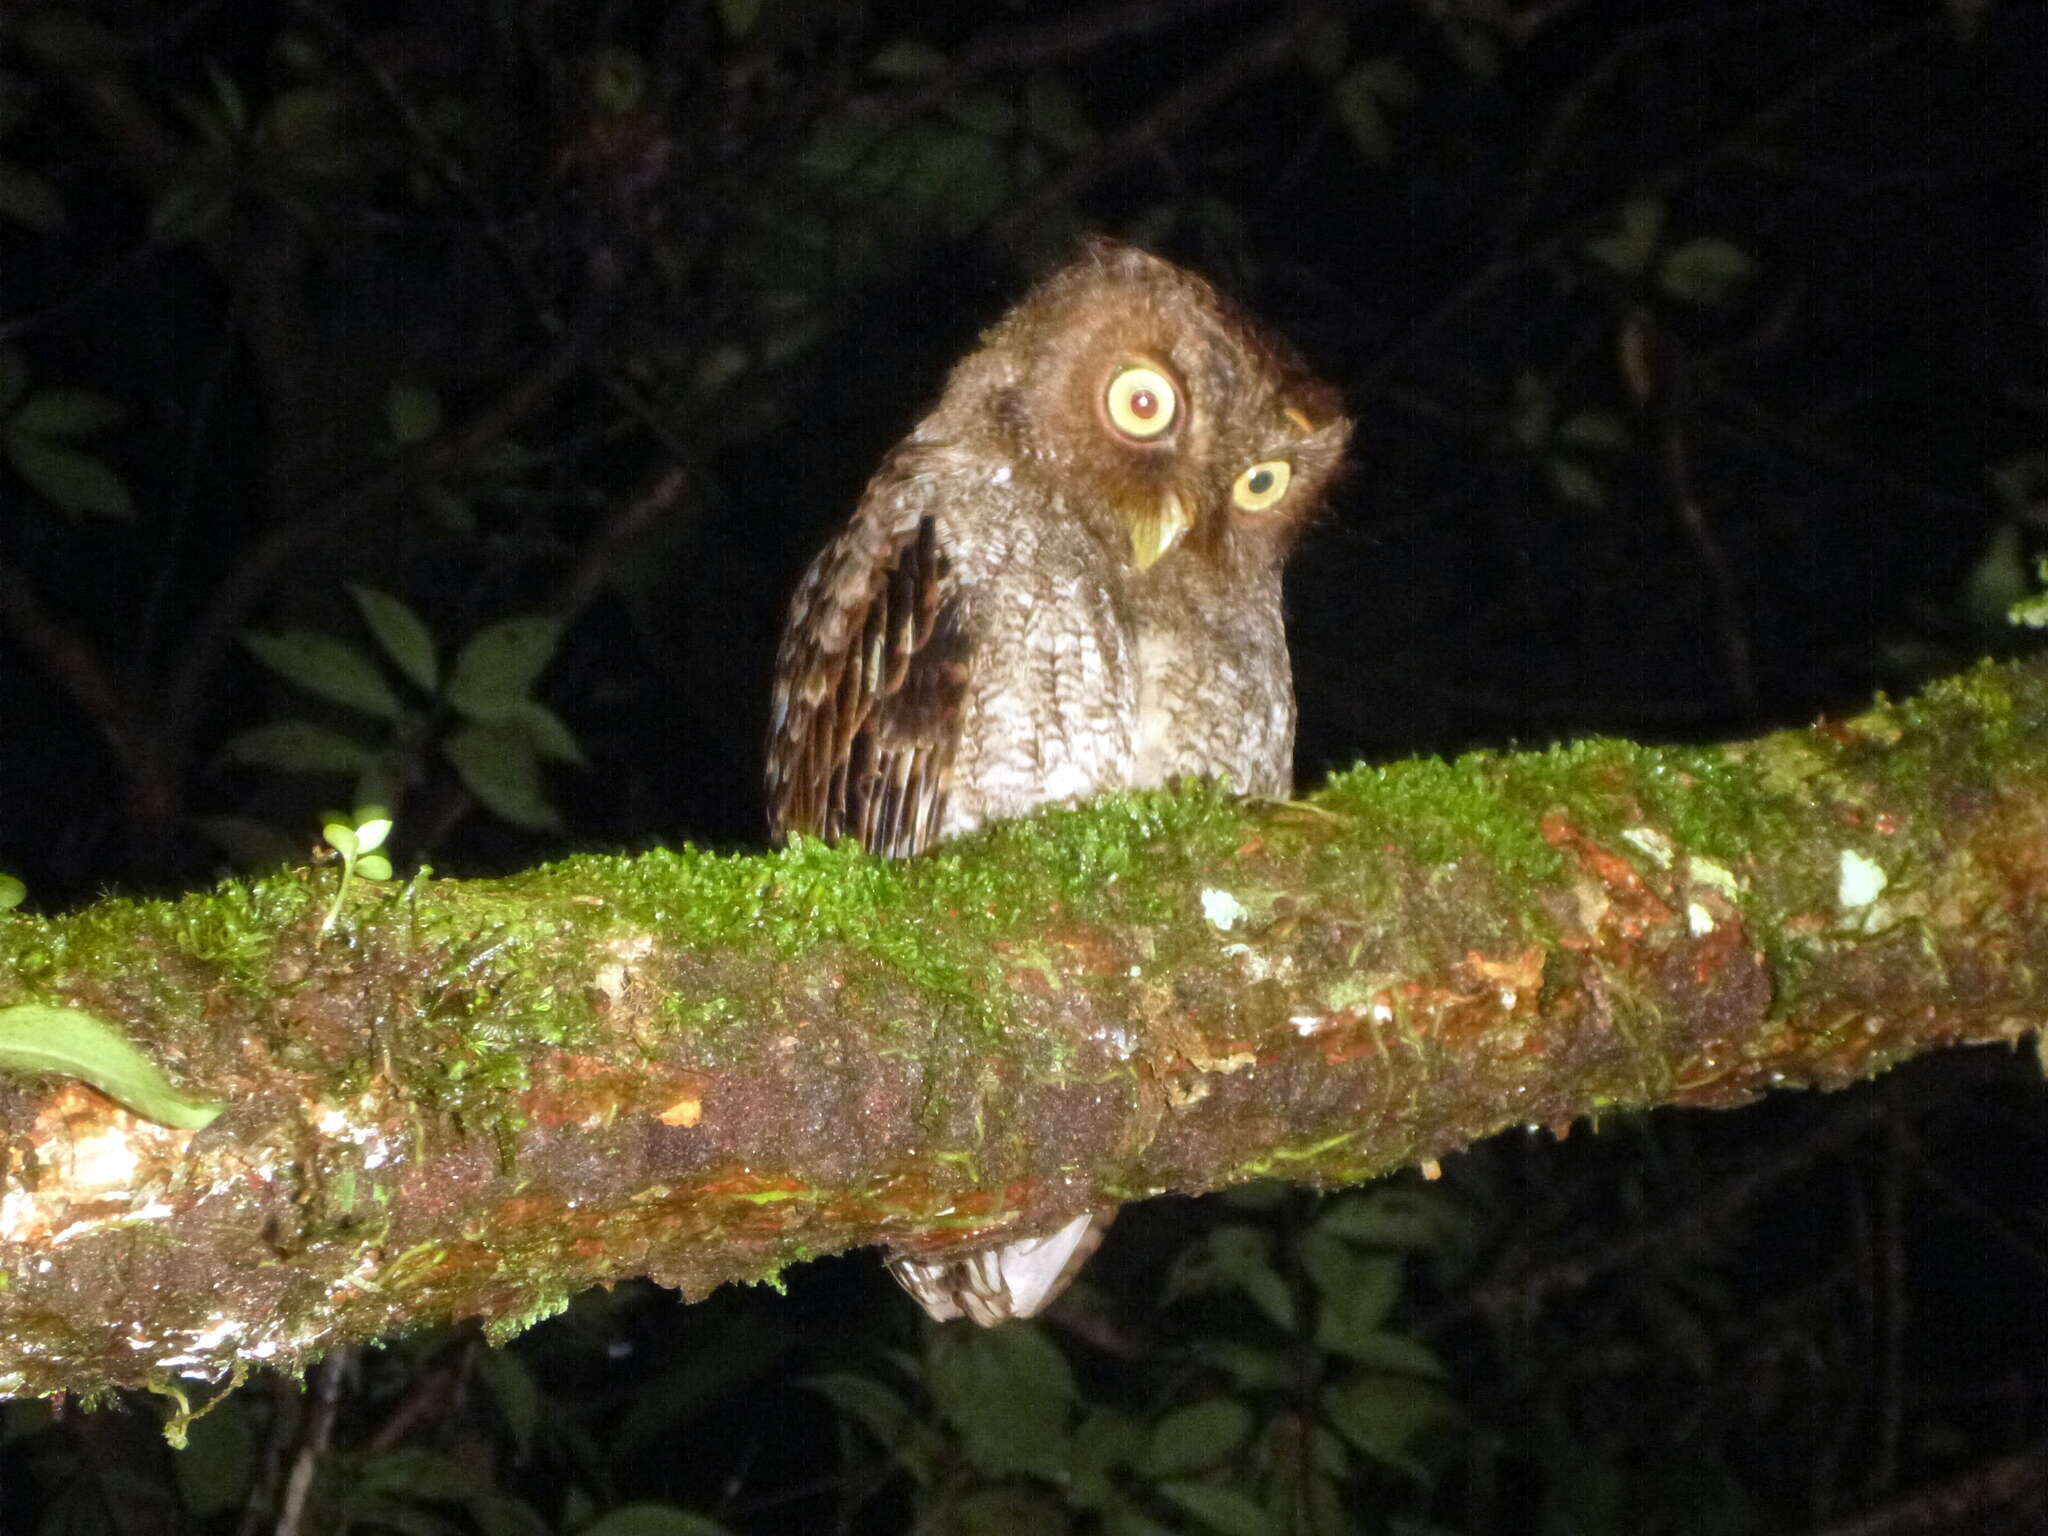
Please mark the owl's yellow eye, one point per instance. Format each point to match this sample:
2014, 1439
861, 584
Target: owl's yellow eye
1262, 485
1141, 402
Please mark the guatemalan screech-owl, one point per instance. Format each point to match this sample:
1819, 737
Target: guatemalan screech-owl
1065, 579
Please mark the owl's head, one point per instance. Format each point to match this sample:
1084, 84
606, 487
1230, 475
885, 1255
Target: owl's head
1158, 411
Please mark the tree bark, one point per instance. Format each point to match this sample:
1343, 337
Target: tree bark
476, 1098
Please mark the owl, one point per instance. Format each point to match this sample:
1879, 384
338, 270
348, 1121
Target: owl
1066, 579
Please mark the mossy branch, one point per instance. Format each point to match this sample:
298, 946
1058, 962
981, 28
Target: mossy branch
474, 1099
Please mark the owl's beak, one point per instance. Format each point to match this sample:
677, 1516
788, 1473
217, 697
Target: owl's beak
1155, 530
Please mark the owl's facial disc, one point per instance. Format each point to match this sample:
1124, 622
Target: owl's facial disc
1157, 527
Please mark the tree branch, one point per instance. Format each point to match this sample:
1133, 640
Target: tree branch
477, 1098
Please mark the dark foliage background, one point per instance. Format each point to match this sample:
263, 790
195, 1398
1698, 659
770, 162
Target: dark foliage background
431, 406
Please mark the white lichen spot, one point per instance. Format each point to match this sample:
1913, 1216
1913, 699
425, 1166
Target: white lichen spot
1307, 1023
1066, 782
1223, 910
1651, 843
1861, 882
1719, 876
1698, 920
1000, 475
1382, 1013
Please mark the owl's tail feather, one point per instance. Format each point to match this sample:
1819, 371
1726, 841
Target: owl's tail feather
1018, 1279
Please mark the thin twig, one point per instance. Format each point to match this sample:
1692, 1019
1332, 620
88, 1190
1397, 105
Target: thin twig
1150, 132
328, 1377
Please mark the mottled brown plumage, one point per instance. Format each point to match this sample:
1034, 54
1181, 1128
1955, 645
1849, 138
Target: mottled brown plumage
1065, 579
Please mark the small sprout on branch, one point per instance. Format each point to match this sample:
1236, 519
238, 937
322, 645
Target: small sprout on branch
357, 841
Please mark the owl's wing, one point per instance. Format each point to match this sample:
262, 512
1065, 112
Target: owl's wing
870, 681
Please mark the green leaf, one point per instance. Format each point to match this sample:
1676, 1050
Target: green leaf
1394, 1353
1106, 1442
986, 112
400, 633
1054, 114
1235, 1258
74, 481
497, 670
417, 1476
28, 199
1384, 1417
617, 79
1126, 1521
1999, 577
550, 737
1602, 430
64, 413
1358, 109
36, 1037
1196, 1437
373, 866
2020, 481
498, 766
1009, 1393
234, 106
297, 746
308, 125
1577, 482
651, 1520
1252, 1367
327, 667
412, 412
1006, 1510
12, 893
1358, 1291
1629, 249
1390, 80
907, 59
1221, 1509
251, 844
1324, 44
914, 1444
189, 207
1704, 271
739, 16
372, 827
1387, 1218
1531, 410
64, 36
1476, 50
514, 1394
341, 837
